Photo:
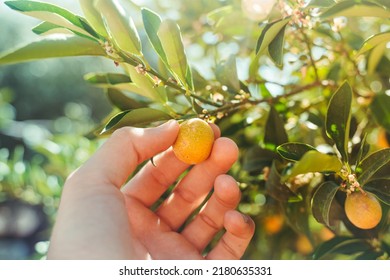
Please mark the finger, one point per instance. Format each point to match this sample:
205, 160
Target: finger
155, 236
239, 232
194, 187
216, 130
154, 179
124, 150
209, 221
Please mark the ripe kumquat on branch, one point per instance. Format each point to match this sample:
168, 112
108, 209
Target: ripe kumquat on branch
363, 210
194, 141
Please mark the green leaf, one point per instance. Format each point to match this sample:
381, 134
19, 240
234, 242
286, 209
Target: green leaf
334, 71
375, 57
293, 151
275, 134
364, 148
341, 245
145, 85
268, 34
137, 117
298, 214
314, 161
226, 73
338, 118
380, 188
275, 48
152, 22
142, 86
190, 78
122, 101
120, 26
172, 43
374, 41
256, 158
322, 202
369, 255
277, 189
380, 108
216, 15
46, 27
93, 17
371, 164
107, 78
242, 26
320, 3
351, 8
53, 46
51, 13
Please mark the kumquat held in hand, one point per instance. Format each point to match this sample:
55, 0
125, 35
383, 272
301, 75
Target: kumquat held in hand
194, 141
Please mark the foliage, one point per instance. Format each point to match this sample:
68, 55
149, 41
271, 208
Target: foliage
302, 90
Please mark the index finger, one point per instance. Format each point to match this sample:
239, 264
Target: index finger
124, 150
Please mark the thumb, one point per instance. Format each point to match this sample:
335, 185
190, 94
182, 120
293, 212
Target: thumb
125, 149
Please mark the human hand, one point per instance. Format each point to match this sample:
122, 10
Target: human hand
104, 216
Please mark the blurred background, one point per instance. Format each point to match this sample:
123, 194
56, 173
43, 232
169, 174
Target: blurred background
47, 111
46, 108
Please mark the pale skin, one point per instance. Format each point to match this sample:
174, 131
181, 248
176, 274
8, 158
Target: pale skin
102, 215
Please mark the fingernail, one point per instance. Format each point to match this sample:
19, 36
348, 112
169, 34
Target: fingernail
246, 218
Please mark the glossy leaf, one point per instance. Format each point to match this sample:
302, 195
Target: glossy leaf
53, 46
190, 78
371, 164
242, 24
298, 214
146, 85
48, 28
374, 41
171, 41
314, 161
338, 118
275, 48
275, 134
120, 26
107, 78
322, 202
152, 22
256, 158
364, 148
93, 17
226, 72
268, 34
119, 82
137, 117
321, 3
122, 101
217, 14
293, 151
381, 188
277, 189
380, 108
351, 8
341, 245
369, 255
51, 13
375, 57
